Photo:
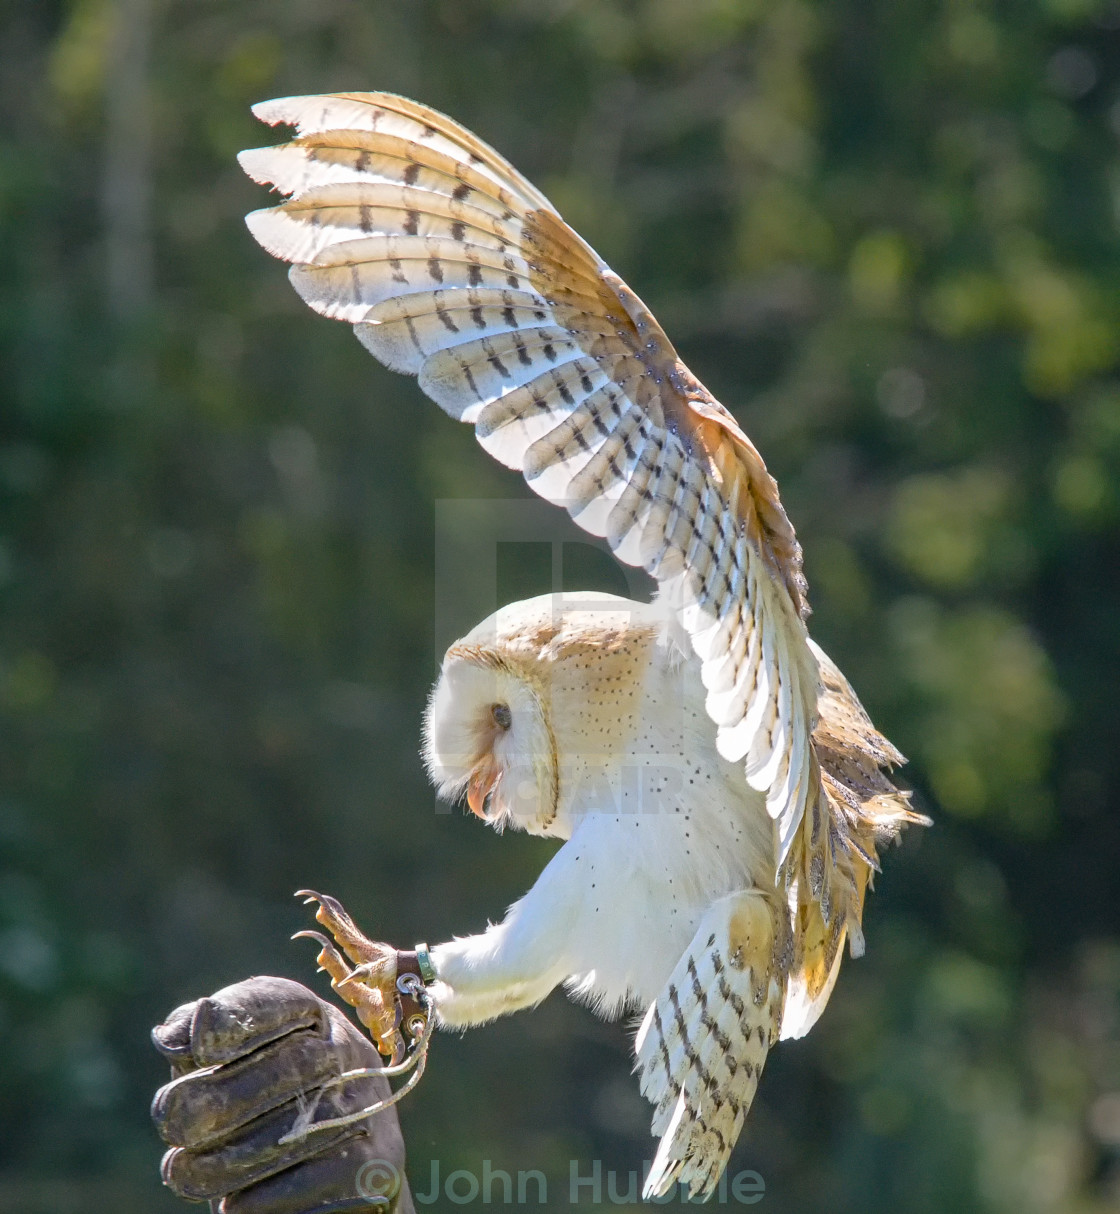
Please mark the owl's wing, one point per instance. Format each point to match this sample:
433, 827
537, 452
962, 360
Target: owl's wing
453, 268
703, 1043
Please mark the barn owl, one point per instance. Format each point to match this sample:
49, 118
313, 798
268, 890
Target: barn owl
720, 793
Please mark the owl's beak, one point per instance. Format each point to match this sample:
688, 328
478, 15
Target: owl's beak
483, 782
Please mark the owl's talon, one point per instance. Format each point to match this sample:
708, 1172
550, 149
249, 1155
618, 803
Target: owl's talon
335, 907
311, 934
370, 987
331, 962
357, 946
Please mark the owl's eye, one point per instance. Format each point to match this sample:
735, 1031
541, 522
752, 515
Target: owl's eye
503, 718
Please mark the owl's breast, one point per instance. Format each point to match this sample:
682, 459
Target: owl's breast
648, 877
659, 825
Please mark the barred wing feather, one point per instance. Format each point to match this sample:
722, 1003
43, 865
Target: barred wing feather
704, 1041
452, 267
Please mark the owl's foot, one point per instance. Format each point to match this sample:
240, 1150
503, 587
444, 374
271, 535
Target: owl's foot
384, 987
371, 986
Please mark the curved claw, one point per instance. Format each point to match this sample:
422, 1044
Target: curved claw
332, 904
333, 916
309, 934
330, 960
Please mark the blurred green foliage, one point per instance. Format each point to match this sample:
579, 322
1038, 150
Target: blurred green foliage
885, 234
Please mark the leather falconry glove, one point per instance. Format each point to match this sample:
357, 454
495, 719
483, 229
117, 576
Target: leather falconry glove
249, 1062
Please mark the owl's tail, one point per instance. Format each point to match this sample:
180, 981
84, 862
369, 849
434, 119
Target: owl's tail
855, 811
703, 1043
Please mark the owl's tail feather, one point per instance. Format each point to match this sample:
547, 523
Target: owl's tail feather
703, 1043
852, 813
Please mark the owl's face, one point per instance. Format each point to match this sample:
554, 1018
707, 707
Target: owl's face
487, 736
527, 719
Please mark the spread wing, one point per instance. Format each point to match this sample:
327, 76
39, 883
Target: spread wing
453, 268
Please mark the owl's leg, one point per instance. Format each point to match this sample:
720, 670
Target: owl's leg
516, 963
512, 965
489, 975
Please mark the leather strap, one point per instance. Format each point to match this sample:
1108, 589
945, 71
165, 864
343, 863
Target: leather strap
407, 963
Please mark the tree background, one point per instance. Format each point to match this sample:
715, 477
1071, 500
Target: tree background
884, 233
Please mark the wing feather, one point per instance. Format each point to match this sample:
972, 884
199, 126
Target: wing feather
403, 332
406, 121
299, 230
508, 426
597, 488
703, 1043
501, 362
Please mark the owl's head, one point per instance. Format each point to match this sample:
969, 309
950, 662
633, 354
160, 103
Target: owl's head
513, 717
486, 735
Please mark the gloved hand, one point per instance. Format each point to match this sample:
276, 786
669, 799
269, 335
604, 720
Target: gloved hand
245, 1062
